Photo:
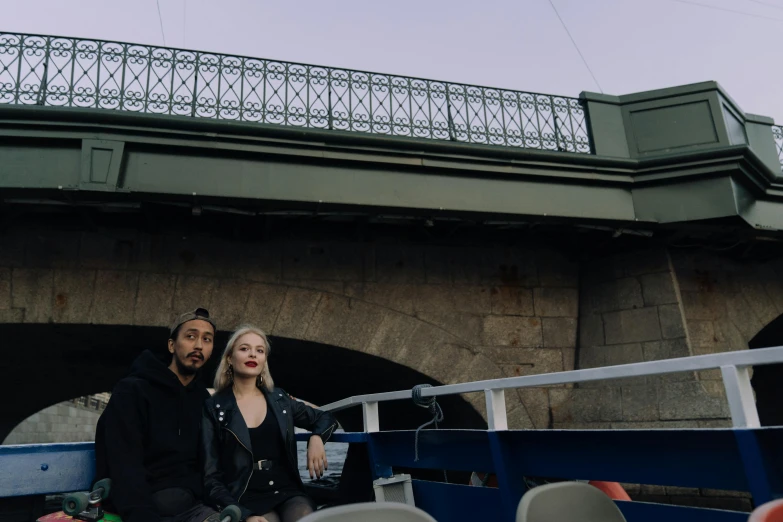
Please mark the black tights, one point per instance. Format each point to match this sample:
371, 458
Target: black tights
292, 510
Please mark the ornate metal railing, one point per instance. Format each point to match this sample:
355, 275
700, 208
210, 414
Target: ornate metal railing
75, 72
777, 133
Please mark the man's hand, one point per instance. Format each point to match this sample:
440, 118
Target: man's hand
316, 457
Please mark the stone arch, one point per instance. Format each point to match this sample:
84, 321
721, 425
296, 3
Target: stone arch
65, 361
726, 303
451, 312
54, 363
767, 380
70, 420
307, 312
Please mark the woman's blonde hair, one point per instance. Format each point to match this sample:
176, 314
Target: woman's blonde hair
225, 373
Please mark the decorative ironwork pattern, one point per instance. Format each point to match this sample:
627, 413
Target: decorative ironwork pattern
777, 133
75, 72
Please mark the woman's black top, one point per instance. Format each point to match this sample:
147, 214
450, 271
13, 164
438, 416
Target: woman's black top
268, 488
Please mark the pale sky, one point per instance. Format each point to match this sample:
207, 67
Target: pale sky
631, 45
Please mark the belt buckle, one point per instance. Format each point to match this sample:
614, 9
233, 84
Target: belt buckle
262, 464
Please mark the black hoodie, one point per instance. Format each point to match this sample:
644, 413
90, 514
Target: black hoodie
147, 439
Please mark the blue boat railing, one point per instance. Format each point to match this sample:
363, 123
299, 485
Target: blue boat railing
746, 457
743, 458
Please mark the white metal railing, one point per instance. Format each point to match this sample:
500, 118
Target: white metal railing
733, 366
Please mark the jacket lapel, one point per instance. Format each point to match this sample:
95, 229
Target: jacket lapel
277, 407
234, 420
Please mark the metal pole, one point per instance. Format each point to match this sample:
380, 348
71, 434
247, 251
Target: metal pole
44, 81
452, 136
195, 88
329, 94
740, 396
371, 420
496, 410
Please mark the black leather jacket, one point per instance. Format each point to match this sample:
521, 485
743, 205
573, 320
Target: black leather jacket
227, 454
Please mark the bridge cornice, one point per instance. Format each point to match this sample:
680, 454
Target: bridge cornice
139, 125
69, 123
461, 177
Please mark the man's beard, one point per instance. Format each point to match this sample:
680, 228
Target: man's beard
182, 367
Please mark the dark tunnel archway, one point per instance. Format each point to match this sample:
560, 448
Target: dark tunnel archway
51, 363
767, 380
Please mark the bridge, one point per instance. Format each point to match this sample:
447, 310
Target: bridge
387, 231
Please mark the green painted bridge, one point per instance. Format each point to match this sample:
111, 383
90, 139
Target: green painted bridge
87, 120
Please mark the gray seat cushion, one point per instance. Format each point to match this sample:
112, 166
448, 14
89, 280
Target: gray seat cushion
567, 502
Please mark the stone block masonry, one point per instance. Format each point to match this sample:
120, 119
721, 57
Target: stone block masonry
452, 312
725, 303
65, 422
631, 311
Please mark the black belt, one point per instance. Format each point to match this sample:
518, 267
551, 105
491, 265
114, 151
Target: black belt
262, 464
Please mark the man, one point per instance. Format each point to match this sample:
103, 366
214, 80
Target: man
147, 439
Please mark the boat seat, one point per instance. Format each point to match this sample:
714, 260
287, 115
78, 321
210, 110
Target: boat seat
567, 502
370, 511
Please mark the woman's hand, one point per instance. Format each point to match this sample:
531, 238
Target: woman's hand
316, 457
255, 518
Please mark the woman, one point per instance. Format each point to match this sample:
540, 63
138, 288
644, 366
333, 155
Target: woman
248, 436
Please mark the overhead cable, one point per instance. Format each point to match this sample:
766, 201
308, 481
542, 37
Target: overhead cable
575, 45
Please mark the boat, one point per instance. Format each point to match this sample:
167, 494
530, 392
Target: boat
745, 457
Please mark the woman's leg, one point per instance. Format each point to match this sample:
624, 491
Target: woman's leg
295, 508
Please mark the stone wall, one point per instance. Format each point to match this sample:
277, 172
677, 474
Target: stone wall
726, 303
69, 421
452, 312
694, 497
631, 311
659, 304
